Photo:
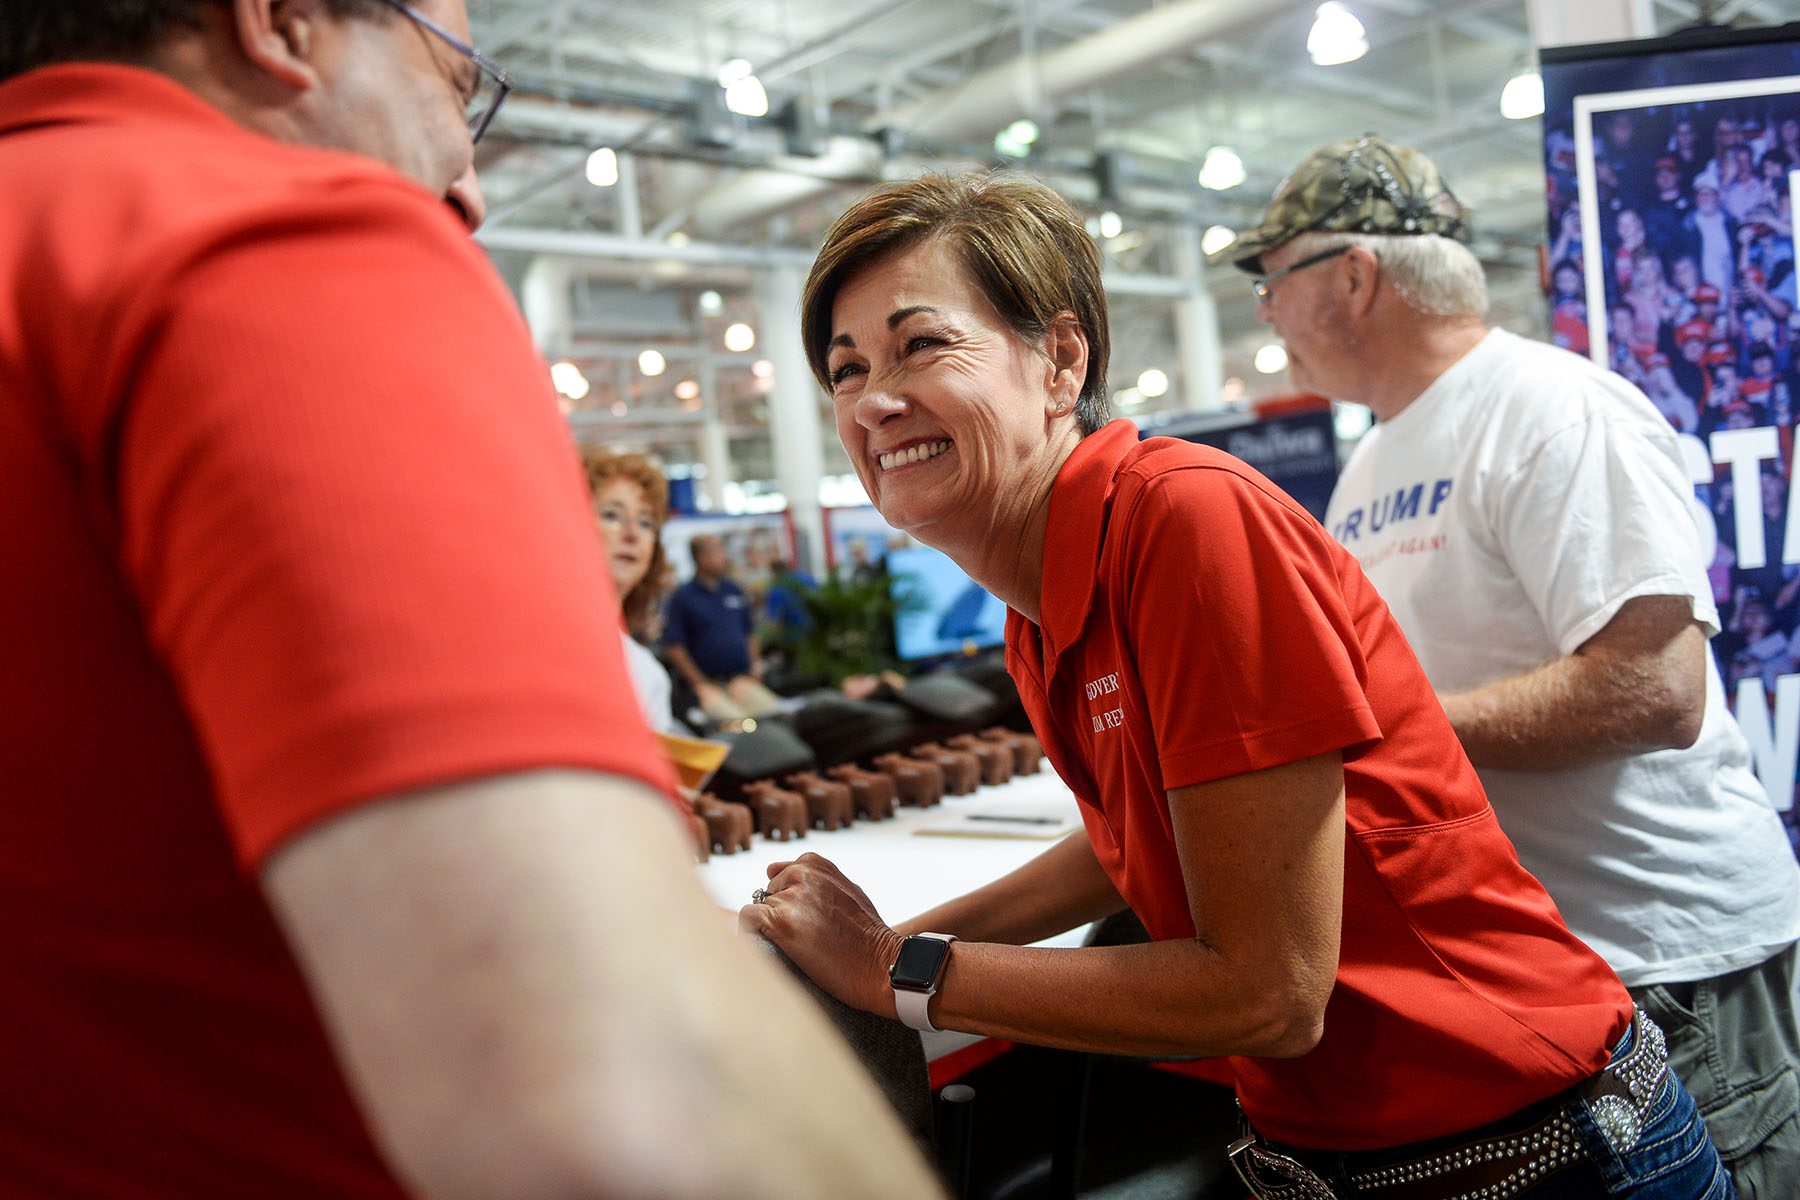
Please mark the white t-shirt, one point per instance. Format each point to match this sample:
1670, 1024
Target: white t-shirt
651, 682
1505, 516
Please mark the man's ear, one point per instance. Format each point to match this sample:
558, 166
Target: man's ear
1364, 269
1066, 348
281, 38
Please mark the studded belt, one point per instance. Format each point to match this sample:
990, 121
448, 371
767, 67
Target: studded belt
1491, 1168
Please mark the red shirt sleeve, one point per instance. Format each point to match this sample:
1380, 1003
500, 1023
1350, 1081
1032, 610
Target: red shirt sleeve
1244, 644
355, 521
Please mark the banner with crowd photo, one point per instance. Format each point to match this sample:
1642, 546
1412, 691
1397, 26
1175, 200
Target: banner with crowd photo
1672, 168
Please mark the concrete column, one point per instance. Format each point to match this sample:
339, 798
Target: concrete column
631, 218
1563, 23
1197, 328
714, 449
715, 455
544, 297
796, 430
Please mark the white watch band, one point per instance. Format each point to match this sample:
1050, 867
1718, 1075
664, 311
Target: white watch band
912, 1007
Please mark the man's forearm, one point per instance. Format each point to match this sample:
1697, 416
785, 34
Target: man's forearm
533, 997
1572, 712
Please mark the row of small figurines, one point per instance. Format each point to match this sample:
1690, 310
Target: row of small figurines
921, 777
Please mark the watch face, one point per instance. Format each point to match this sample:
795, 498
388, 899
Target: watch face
921, 958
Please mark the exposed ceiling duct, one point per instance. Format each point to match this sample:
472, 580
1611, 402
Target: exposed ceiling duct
1023, 86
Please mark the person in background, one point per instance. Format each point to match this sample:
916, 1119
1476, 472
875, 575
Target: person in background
1265, 777
1666, 208
786, 619
1684, 147
709, 636
337, 861
631, 501
630, 497
1713, 233
1527, 518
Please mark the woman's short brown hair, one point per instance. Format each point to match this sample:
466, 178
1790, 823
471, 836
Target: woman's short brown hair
1024, 246
602, 467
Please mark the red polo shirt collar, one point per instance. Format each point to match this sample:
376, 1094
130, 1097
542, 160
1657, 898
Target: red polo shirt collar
1072, 540
89, 93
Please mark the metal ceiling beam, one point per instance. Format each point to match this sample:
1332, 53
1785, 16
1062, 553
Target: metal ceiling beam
1023, 85
614, 247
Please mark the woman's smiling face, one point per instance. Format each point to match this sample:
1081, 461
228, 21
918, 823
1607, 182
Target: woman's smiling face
943, 409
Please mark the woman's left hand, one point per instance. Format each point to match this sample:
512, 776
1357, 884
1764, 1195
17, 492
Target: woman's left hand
827, 926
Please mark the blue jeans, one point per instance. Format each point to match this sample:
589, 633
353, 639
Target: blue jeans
1673, 1159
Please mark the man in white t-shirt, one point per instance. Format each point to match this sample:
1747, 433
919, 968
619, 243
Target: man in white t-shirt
1527, 517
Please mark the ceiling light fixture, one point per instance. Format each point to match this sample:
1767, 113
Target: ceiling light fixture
1222, 170
652, 363
1272, 359
569, 380
1153, 383
1337, 37
711, 303
746, 97
1523, 96
1216, 239
603, 167
1111, 224
739, 338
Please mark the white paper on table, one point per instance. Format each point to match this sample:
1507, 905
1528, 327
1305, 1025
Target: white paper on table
1032, 824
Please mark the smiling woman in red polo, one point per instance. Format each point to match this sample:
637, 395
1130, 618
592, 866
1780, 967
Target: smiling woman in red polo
1265, 776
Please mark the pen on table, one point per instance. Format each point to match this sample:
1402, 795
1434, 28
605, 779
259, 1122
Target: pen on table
1015, 820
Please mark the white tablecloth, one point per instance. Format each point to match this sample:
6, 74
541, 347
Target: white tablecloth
904, 872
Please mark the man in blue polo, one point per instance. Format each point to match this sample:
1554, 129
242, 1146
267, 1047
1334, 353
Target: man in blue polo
709, 638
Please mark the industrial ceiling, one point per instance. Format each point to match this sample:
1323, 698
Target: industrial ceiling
1127, 98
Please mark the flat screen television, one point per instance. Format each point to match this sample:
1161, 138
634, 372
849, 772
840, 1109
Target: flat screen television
942, 612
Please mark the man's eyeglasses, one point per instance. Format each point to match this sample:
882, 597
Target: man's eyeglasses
491, 82
1260, 285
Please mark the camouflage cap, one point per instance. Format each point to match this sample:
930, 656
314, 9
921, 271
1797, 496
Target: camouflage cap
1363, 184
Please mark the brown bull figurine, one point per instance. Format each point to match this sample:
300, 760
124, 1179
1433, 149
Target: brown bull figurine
780, 814
828, 804
873, 793
962, 770
916, 782
1026, 751
996, 760
728, 825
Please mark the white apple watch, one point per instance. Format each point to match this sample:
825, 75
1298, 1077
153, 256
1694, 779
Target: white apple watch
915, 975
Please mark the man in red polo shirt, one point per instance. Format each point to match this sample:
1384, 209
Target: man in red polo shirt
326, 801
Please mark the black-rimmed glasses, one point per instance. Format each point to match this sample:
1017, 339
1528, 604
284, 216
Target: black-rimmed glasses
1260, 285
492, 83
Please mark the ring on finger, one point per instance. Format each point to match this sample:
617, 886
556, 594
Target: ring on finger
759, 896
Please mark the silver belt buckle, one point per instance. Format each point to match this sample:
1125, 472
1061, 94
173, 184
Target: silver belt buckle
1271, 1175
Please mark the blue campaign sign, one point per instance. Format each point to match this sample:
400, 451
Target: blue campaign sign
1296, 451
